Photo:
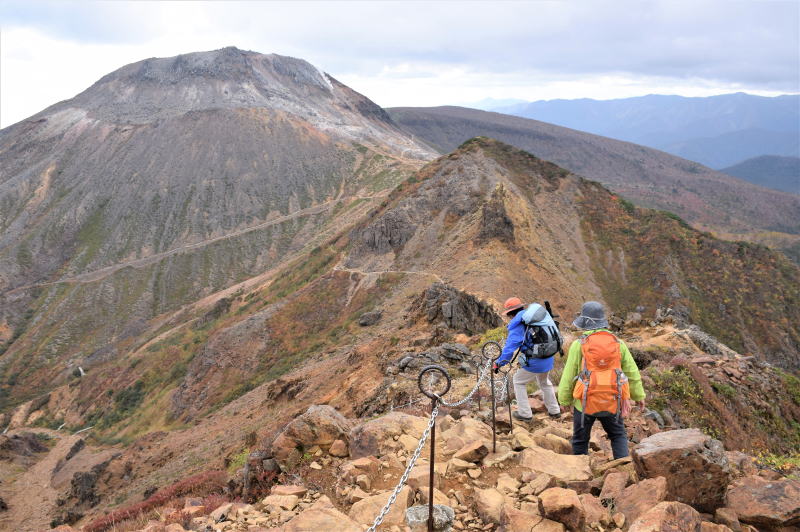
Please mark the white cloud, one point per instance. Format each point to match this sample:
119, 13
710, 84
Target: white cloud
419, 53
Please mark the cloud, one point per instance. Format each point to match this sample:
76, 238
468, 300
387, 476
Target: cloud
419, 53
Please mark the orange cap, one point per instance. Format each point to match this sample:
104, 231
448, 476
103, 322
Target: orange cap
511, 304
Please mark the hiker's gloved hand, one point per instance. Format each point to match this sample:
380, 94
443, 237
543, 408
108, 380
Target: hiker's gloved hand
640, 404
496, 368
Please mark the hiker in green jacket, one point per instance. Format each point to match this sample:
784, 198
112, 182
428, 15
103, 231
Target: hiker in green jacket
595, 386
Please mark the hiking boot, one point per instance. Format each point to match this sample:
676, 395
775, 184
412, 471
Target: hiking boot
520, 418
554, 416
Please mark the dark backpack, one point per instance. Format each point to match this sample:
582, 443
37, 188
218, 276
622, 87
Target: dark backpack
540, 342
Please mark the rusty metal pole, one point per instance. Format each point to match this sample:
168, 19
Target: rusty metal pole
494, 421
431, 470
434, 397
478, 380
508, 402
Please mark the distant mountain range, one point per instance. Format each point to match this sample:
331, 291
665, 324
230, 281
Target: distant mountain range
706, 198
773, 171
717, 131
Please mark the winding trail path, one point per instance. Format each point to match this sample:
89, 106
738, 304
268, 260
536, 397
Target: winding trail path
102, 273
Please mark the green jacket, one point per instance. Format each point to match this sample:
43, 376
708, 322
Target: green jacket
575, 364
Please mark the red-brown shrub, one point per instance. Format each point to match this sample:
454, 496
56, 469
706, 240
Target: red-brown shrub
200, 484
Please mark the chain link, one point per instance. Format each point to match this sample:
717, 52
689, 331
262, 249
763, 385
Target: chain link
404, 478
500, 392
483, 377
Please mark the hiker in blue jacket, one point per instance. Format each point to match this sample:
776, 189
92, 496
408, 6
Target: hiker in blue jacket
531, 369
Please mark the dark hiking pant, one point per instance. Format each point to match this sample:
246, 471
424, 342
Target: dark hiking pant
615, 429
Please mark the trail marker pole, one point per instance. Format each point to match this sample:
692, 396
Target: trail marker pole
492, 351
434, 399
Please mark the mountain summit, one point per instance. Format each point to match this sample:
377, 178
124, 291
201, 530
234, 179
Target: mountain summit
230, 78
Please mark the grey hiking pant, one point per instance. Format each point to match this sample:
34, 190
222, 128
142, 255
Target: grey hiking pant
521, 378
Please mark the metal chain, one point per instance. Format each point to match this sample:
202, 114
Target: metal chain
483, 377
404, 478
501, 389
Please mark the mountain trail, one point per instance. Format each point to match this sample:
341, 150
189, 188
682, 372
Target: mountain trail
102, 273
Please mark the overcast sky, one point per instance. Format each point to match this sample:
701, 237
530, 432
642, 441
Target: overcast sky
419, 53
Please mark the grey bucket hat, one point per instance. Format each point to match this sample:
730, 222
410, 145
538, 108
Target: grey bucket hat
592, 317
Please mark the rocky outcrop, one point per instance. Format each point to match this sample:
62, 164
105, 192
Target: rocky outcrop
561, 466
695, 466
495, 223
320, 425
564, 506
668, 516
637, 498
458, 310
377, 437
768, 503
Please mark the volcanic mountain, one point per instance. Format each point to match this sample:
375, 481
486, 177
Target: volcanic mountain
189, 261
334, 325
705, 198
171, 179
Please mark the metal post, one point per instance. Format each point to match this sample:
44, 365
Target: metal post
508, 402
431, 471
478, 380
494, 421
434, 399
492, 351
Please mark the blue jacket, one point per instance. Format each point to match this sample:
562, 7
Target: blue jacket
516, 335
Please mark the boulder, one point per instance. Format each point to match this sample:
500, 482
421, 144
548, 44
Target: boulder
728, 517
613, 485
320, 425
417, 518
564, 506
765, 503
539, 482
438, 496
272, 503
465, 431
288, 489
561, 466
694, 465
488, 503
367, 465
513, 520
595, 511
640, 497
376, 437
322, 515
667, 517
708, 526
339, 449
472, 452
370, 318
364, 512
553, 442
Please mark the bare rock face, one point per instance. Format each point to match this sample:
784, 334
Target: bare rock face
320, 425
564, 506
640, 497
458, 310
495, 223
376, 437
561, 466
322, 515
667, 516
365, 511
768, 503
695, 466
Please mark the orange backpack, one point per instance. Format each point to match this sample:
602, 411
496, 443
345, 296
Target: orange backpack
601, 385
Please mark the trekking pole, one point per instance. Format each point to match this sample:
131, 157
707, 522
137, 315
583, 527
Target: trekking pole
478, 367
508, 401
492, 351
434, 399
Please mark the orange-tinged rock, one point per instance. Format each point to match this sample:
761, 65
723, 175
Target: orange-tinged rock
322, 515
595, 511
613, 485
638, 498
472, 452
765, 503
488, 503
564, 506
289, 489
695, 466
365, 511
668, 516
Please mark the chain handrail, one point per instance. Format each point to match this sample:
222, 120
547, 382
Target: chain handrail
499, 390
404, 478
484, 375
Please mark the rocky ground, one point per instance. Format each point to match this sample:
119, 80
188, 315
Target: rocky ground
335, 473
